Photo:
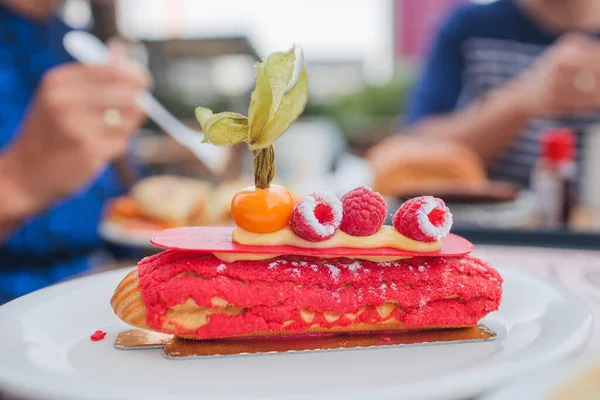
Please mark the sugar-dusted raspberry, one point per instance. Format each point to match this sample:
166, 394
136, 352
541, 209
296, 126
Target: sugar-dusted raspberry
364, 212
424, 218
317, 217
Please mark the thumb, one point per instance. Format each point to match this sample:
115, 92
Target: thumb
117, 54
118, 57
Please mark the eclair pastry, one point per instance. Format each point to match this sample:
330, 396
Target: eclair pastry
198, 296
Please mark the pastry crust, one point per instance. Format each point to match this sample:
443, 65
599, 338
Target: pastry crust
409, 164
218, 316
127, 301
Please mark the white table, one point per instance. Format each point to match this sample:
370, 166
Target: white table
579, 270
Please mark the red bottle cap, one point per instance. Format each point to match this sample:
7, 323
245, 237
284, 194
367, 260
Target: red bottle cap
558, 145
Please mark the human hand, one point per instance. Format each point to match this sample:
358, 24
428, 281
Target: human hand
565, 80
80, 120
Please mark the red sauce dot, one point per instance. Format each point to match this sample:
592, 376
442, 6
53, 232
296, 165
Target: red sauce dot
98, 335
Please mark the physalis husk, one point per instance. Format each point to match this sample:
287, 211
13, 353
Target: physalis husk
278, 100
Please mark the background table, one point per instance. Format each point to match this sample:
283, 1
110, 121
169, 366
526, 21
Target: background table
578, 270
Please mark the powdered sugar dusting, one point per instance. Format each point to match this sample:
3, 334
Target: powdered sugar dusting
296, 272
307, 210
421, 268
436, 232
273, 265
334, 271
221, 268
359, 295
355, 266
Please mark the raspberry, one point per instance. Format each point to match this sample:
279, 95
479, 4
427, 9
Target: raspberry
364, 212
317, 217
425, 219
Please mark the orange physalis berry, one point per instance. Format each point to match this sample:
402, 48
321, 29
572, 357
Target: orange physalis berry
262, 210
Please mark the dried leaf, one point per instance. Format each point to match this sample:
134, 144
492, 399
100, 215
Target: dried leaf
222, 129
274, 105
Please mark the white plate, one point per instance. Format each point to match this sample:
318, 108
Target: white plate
46, 352
511, 214
118, 234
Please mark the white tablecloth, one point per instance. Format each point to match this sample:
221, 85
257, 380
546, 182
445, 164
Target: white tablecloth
579, 270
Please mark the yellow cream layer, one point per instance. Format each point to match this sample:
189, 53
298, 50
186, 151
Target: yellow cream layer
386, 237
233, 257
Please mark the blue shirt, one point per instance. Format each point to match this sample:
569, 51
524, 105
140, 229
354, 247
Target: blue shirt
59, 242
478, 48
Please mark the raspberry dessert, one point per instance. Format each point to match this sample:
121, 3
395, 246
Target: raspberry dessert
200, 295
323, 265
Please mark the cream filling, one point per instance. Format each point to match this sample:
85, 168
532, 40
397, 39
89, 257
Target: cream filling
387, 236
233, 257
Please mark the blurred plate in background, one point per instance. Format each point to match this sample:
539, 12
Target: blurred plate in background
490, 192
519, 213
122, 235
493, 205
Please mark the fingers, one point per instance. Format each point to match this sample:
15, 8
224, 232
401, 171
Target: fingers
106, 141
114, 73
117, 54
119, 73
109, 96
118, 59
565, 92
576, 98
128, 122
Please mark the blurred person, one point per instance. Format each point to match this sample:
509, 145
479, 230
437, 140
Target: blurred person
501, 73
62, 125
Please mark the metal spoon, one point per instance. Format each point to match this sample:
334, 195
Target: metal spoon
87, 49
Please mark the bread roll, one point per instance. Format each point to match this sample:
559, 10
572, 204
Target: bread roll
411, 164
219, 207
176, 200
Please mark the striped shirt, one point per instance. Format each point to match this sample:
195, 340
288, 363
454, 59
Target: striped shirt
479, 48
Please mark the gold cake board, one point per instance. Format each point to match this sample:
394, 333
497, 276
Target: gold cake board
177, 348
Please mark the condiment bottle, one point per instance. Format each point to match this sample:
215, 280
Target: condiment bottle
554, 177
